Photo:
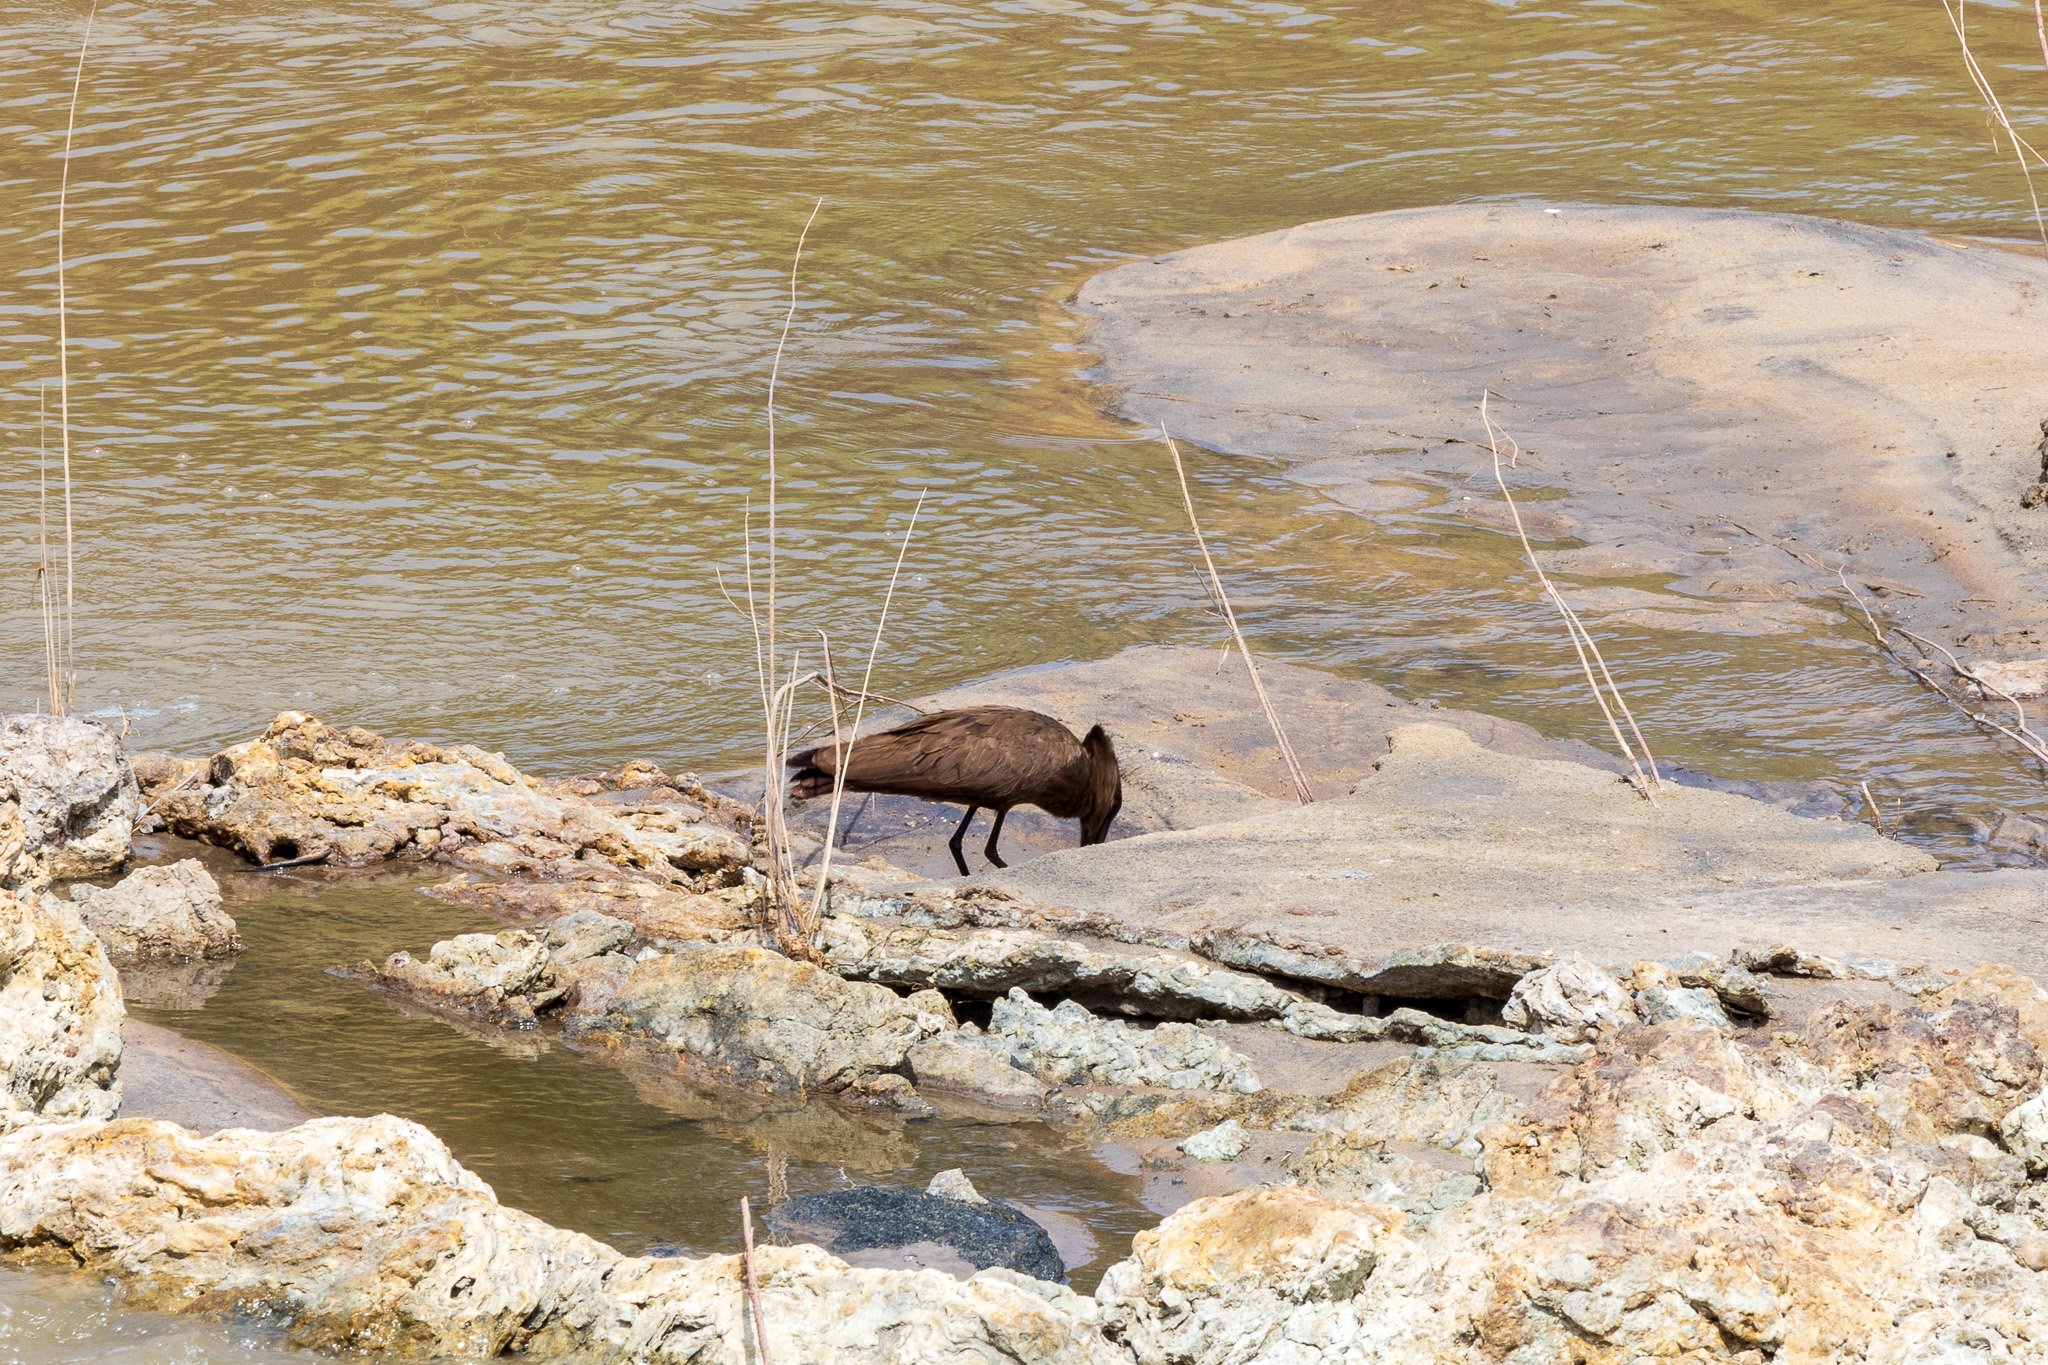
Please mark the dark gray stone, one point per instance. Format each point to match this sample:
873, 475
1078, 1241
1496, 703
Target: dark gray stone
870, 1217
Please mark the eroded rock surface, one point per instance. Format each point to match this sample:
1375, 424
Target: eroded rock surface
1066, 1043
365, 1234
165, 913
60, 1016
306, 791
752, 1015
508, 977
1865, 1188
75, 795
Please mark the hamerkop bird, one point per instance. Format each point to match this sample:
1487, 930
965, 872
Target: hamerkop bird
994, 756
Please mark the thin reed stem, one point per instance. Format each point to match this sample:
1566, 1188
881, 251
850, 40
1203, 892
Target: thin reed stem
843, 748
2020, 732
753, 1286
1187, 499
46, 605
784, 916
61, 705
1605, 690
2021, 148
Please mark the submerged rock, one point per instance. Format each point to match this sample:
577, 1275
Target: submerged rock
750, 1014
306, 791
1836, 1193
75, 795
976, 1065
1067, 1044
171, 912
932, 1228
366, 1235
506, 977
60, 1016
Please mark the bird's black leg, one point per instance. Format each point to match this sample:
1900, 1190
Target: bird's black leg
958, 835
995, 833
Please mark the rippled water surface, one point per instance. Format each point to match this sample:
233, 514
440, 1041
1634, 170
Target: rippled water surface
418, 355
419, 350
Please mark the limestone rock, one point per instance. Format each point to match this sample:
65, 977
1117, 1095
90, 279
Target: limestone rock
308, 791
169, 912
2025, 1131
507, 977
75, 794
981, 1067
366, 1235
1067, 1044
1571, 1000
1227, 1141
664, 916
60, 1016
1825, 1194
954, 1184
987, 962
1242, 1278
751, 1014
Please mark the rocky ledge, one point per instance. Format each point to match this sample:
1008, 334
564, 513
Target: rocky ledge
366, 1235
307, 792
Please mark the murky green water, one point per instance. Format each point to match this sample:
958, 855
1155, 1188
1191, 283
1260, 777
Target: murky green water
418, 355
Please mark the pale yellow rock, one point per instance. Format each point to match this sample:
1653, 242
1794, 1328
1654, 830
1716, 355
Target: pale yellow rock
1826, 1195
60, 1015
366, 1234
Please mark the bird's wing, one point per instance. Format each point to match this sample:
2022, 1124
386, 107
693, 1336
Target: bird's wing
980, 754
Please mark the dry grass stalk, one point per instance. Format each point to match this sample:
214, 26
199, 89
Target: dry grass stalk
45, 602
840, 743
753, 1287
64, 690
1642, 763
1230, 618
793, 921
2019, 732
784, 906
2021, 148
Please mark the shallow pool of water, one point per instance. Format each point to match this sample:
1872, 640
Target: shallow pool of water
52, 1317
633, 1157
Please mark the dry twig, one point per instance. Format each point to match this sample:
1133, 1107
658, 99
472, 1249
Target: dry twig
784, 909
1230, 618
841, 745
66, 692
1605, 690
753, 1288
2019, 732
2021, 148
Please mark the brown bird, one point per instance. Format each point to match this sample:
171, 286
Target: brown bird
994, 756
